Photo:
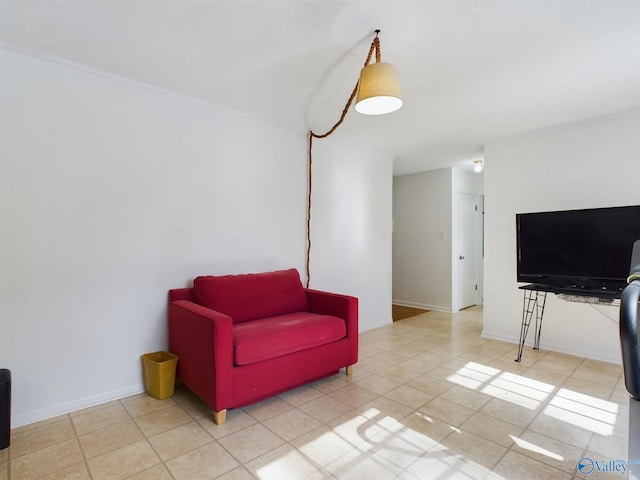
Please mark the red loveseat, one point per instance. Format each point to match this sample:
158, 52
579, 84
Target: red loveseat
243, 338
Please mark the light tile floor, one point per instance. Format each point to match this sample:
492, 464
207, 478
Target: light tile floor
429, 399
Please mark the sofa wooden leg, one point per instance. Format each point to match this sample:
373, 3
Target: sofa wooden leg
350, 370
219, 417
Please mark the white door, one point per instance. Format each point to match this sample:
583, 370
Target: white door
467, 250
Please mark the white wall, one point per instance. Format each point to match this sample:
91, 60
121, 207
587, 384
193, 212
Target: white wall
467, 181
351, 226
584, 165
111, 193
422, 224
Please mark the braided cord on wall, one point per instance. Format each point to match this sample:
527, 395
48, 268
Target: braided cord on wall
375, 45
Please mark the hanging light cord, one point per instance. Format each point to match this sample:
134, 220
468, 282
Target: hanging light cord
375, 45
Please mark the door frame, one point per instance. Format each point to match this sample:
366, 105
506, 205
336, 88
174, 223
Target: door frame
479, 252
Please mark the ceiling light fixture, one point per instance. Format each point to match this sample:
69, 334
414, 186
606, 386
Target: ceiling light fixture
478, 165
378, 92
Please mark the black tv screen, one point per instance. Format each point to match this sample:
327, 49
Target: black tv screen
583, 249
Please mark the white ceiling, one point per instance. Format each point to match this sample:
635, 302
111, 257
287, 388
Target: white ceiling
470, 70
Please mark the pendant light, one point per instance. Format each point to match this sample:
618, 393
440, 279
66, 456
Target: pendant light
378, 88
376, 93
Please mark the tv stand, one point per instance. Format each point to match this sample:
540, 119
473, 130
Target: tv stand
535, 298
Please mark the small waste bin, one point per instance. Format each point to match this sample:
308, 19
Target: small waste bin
5, 407
159, 373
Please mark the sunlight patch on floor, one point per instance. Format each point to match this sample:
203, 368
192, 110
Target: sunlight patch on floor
473, 375
583, 411
507, 386
511, 397
373, 440
290, 466
532, 447
373, 444
518, 390
588, 400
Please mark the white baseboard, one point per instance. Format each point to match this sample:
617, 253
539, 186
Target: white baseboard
426, 306
600, 356
371, 326
63, 408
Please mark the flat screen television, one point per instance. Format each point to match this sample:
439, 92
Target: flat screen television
583, 250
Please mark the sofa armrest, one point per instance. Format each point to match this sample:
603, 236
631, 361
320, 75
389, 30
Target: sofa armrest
341, 306
202, 340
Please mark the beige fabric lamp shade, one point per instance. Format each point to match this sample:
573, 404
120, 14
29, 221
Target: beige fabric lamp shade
378, 90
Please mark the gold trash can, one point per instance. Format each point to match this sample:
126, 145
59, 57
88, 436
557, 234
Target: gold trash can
159, 373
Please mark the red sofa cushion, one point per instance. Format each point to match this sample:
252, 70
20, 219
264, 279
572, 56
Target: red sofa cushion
253, 295
266, 338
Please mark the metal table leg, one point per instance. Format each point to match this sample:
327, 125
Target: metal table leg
532, 308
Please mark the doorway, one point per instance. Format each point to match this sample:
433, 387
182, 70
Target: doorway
400, 312
469, 249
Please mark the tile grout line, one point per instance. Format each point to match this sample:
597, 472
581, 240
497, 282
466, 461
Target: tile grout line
85, 460
133, 420
468, 348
